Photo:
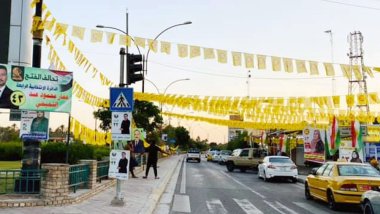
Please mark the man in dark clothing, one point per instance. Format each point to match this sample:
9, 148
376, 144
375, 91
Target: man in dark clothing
153, 150
123, 163
125, 125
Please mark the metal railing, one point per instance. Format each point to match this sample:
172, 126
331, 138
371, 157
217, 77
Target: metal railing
20, 181
78, 176
102, 170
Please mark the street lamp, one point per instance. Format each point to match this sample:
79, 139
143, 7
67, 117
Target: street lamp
147, 54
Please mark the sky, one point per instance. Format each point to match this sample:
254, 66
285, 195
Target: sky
284, 28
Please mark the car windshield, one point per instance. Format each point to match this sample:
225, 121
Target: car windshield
358, 170
225, 152
236, 152
280, 160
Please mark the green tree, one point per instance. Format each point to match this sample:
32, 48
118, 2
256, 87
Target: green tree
146, 115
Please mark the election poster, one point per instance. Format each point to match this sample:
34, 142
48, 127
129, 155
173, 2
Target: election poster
119, 164
34, 125
349, 153
28, 88
314, 144
121, 126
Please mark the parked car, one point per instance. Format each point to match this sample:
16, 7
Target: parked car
244, 159
371, 201
341, 182
210, 155
193, 154
277, 167
215, 156
223, 156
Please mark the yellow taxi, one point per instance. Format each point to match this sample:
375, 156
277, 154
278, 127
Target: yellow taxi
341, 182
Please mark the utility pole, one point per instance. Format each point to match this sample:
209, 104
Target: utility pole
248, 83
37, 38
332, 60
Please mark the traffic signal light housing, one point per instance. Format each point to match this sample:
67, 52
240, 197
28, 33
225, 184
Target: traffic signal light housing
134, 68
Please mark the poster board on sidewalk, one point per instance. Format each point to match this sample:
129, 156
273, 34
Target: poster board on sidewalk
119, 164
314, 145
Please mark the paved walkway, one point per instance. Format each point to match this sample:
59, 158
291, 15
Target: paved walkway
140, 195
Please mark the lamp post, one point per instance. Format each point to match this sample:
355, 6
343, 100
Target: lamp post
147, 54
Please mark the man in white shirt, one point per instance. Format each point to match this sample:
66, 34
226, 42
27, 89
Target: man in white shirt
5, 92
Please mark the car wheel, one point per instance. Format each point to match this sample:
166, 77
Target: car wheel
331, 201
307, 192
242, 169
230, 166
294, 180
187, 160
199, 160
368, 208
258, 174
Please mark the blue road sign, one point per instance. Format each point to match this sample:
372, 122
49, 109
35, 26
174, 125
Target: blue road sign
121, 99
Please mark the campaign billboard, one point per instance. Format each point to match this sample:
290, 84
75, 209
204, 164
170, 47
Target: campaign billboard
119, 164
28, 88
34, 125
314, 144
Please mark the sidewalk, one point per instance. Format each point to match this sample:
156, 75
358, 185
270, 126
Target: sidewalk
140, 195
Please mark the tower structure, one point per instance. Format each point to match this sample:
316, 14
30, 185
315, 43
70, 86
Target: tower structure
357, 73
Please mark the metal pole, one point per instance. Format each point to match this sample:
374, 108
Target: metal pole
37, 38
68, 140
122, 53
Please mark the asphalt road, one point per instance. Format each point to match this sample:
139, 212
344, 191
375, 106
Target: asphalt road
208, 187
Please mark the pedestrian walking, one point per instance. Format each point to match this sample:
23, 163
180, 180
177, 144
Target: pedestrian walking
153, 150
132, 158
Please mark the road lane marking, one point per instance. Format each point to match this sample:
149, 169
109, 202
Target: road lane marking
216, 206
245, 186
309, 208
181, 203
247, 206
274, 207
183, 181
281, 206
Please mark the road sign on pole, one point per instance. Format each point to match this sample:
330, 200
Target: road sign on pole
121, 99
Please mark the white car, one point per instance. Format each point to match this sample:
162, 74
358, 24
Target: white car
215, 156
223, 156
279, 167
370, 201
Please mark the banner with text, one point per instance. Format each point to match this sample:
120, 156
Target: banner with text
29, 88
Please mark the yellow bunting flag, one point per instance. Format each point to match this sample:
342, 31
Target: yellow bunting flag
153, 45
236, 58
357, 72
276, 63
78, 32
111, 37
222, 56
248, 58
165, 47
362, 99
350, 100
313, 68
346, 71
368, 70
329, 69
48, 25
140, 42
195, 51
182, 50
376, 69
208, 53
374, 99
301, 67
261, 62
124, 40
288, 65
96, 36
336, 101
60, 29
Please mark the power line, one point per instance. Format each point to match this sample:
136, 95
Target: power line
240, 77
352, 5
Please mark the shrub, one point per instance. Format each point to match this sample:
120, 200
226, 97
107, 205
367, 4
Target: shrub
10, 151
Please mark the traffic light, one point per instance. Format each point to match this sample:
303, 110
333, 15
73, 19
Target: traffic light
134, 68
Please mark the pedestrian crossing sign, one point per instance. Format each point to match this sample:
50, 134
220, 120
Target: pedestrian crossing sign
121, 99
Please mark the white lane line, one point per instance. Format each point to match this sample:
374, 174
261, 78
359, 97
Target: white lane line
216, 206
281, 206
309, 208
183, 182
247, 206
274, 207
245, 186
181, 203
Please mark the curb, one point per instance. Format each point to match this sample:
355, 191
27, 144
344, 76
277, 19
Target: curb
155, 196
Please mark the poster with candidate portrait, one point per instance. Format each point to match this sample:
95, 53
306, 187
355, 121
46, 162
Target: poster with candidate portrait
34, 125
349, 153
121, 126
28, 88
119, 164
314, 144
